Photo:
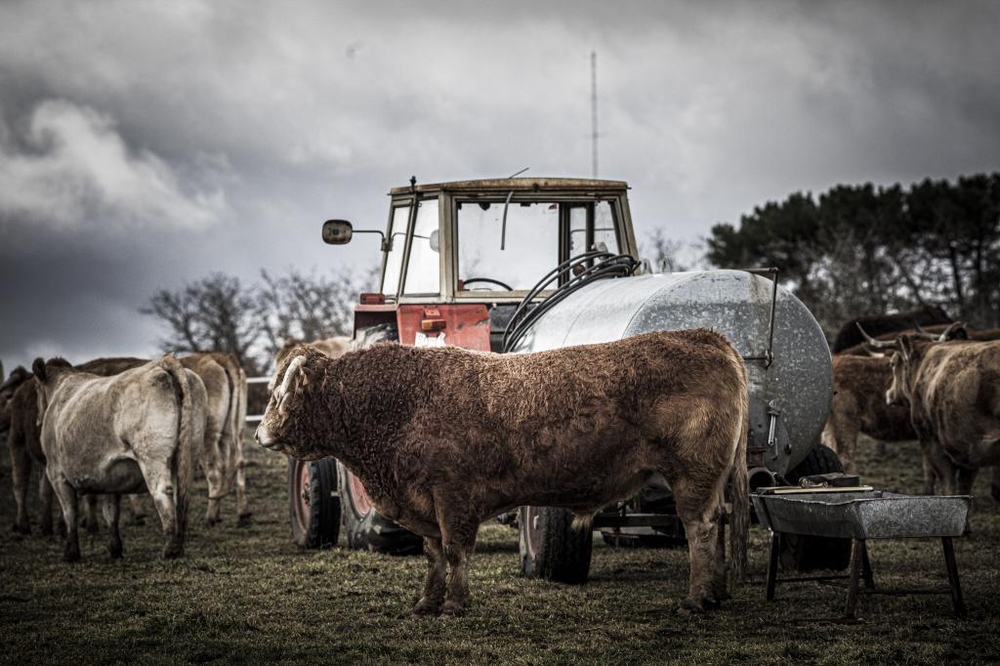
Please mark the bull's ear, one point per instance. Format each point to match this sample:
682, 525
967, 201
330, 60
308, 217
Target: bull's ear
38, 367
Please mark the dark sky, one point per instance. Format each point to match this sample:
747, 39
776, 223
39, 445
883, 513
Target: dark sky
146, 145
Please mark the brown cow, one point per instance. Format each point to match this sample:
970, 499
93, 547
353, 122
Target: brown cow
130, 432
444, 438
221, 457
953, 391
858, 405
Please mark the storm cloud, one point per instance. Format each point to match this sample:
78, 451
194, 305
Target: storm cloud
145, 145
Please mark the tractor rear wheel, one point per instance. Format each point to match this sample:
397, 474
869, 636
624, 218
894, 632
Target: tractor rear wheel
551, 548
313, 504
809, 553
366, 528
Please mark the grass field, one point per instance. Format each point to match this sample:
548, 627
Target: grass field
247, 595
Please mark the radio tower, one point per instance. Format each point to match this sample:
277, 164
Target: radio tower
593, 107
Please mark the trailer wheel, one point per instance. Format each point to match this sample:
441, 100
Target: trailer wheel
313, 504
808, 553
549, 546
366, 528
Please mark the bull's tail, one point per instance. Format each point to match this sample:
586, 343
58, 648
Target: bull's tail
182, 469
740, 519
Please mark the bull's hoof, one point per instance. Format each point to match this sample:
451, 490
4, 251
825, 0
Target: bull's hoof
244, 520
139, 519
22, 528
115, 550
689, 607
452, 609
71, 555
995, 493
426, 607
173, 550
212, 522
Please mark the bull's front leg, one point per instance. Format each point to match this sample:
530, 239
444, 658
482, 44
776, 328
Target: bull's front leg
434, 584
995, 483
459, 542
698, 508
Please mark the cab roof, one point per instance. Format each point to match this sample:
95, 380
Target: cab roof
497, 185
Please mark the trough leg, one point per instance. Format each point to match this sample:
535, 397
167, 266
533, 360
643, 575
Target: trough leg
112, 515
858, 555
772, 565
956, 588
434, 584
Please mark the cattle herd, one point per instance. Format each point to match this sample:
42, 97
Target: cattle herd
126, 426
445, 438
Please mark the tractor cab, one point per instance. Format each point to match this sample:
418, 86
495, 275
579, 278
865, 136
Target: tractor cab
460, 258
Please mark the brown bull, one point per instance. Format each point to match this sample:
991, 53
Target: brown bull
122, 434
953, 391
444, 438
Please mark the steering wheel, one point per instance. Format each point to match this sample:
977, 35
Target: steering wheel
498, 283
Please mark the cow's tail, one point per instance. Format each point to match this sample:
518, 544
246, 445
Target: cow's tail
231, 428
740, 519
183, 463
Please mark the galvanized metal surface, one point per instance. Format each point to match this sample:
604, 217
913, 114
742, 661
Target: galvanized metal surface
873, 514
799, 381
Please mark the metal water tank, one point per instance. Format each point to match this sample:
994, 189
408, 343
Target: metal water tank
787, 356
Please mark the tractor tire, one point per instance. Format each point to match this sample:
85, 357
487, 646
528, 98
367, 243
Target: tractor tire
313, 503
550, 548
366, 528
809, 553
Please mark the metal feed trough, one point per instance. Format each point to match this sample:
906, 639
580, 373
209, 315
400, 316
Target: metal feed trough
859, 514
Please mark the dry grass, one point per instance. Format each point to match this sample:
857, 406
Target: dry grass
248, 595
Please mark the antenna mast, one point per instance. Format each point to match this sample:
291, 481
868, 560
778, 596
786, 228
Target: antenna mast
593, 107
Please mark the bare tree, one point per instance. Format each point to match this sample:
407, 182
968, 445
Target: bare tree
216, 313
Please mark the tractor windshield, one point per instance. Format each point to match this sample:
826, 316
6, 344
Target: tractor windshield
511, 245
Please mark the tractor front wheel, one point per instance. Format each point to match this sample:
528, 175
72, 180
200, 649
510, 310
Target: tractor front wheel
551, 548
366, 528
313, 503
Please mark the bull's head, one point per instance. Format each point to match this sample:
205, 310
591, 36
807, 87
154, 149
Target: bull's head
289, 414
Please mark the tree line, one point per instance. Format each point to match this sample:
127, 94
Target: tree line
853, 250
862, 249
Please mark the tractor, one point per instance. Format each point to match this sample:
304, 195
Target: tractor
526, 264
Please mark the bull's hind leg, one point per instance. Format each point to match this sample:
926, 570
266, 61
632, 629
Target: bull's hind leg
434, 584
112, 510
45, 494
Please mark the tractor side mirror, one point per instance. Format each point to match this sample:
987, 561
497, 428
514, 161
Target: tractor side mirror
337, 232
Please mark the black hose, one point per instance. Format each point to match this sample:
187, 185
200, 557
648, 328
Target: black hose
603, 265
